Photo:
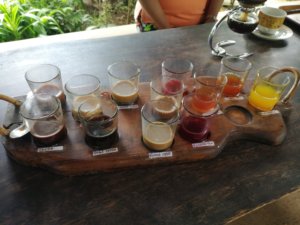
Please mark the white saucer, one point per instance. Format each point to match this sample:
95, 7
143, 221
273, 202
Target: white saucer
284, 32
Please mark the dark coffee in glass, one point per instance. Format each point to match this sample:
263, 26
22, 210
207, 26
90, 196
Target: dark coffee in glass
101, 135
99, 119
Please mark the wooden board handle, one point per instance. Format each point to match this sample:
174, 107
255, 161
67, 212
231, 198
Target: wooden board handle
11, 100
3, 131
292, 90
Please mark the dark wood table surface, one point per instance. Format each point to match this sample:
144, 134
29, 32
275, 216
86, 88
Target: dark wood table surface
245, 175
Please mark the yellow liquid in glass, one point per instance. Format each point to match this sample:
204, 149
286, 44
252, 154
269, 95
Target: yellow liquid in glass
263, 97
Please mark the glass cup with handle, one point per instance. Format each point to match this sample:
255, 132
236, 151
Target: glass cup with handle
268, 88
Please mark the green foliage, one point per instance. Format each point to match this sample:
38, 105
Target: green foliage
113, 12
32, 18
21, 19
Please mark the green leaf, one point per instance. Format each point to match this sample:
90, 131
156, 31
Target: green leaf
30, 16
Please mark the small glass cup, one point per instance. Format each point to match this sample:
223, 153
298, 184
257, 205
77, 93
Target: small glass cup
159, 122
168, 90
180, 70
46, 78
268, 88
124, 79
192, 128
205, 100
236, 70
43, 116
81, 88
99, 118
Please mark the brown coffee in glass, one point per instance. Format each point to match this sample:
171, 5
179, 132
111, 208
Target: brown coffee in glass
43, 116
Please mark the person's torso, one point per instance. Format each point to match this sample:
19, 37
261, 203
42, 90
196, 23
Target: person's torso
180, 12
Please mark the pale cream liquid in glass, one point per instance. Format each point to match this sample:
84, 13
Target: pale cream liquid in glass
158, 136
124, 92
164, 111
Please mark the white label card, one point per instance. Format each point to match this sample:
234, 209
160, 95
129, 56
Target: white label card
128, 107
203, 144
220, 112
269, 113
105, 151
51, 149
155, 155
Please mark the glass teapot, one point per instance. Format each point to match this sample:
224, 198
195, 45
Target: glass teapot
244, 19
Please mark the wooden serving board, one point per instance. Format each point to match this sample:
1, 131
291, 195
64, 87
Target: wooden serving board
236, 120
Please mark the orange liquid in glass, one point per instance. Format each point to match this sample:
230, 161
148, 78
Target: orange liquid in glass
233, 86
204, 100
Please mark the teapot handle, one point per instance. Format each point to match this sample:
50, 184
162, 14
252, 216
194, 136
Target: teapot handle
292, 91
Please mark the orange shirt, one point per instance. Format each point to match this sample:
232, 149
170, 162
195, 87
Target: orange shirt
180, 12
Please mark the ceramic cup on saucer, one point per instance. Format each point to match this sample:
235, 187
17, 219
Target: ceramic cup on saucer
270, 20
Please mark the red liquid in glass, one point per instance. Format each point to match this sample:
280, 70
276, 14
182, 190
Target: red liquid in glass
233, 86
172, 87
193, 129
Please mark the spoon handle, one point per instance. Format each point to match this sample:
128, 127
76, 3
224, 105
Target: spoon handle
19, 131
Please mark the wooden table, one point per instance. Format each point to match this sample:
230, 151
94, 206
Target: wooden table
246, 174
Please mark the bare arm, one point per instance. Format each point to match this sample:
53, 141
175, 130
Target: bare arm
154, 10
212, 10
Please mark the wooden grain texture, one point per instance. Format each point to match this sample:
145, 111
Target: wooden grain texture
77, 158
245, 175
284, 210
